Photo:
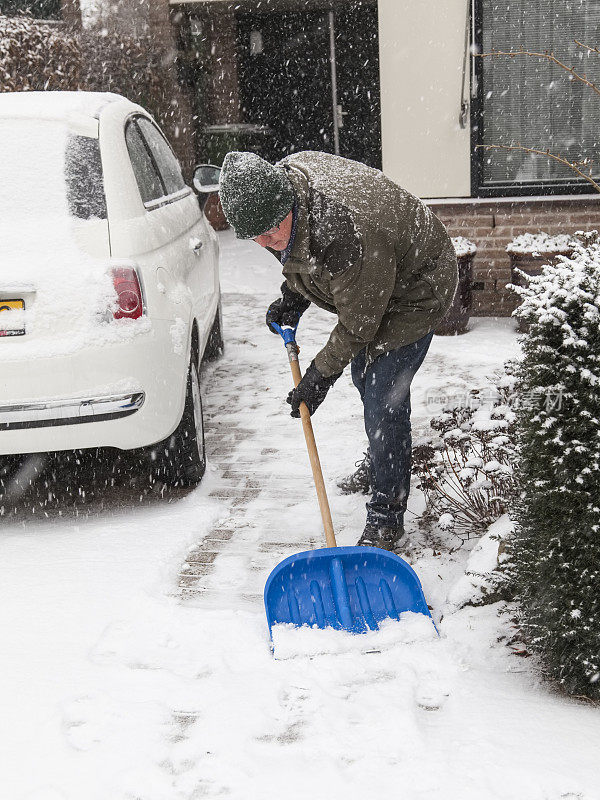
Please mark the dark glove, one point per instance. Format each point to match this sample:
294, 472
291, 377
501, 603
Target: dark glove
287, 309
311, 390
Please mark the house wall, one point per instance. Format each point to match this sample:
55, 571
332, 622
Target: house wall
421, 47
425, 150
492, 224
224, 102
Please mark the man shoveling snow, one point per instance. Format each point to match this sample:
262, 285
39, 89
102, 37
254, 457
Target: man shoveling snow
358, 245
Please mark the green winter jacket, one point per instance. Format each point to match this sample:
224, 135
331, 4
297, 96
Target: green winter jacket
370, 252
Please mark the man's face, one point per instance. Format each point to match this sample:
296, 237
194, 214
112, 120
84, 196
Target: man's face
277, 238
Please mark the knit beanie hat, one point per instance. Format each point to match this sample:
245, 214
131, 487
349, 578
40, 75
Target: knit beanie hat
255, 195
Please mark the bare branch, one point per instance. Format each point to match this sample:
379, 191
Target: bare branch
549, 57
587, 47
547, 153
453, 501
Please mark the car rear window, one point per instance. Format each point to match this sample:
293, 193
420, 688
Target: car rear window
84, 178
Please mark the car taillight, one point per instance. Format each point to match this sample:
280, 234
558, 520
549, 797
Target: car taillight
130, 304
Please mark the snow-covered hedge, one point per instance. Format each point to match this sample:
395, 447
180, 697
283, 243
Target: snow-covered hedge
113, 62
538, 243
36, 56
555, 553
139, 70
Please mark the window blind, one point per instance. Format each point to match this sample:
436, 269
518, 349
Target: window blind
532, 102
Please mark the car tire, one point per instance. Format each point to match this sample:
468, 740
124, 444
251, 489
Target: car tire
215, 345
180, 459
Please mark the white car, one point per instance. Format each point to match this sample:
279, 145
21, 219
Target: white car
109, 285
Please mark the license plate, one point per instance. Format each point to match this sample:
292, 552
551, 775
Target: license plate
11, 305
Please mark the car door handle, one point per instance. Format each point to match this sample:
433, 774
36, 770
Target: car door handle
195, 244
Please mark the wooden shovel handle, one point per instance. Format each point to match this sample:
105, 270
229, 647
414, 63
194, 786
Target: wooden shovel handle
312, 451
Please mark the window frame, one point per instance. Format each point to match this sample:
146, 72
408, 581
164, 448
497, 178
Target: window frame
166, 198
502, 188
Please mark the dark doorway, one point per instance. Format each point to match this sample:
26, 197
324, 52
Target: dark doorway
287, 84
357, 57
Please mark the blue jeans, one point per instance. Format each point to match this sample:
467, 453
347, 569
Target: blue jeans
384, 387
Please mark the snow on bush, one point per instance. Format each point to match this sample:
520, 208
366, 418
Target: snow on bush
537, 243
36, 56
463, 246
555, 553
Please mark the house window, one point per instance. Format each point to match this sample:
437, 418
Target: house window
531, 102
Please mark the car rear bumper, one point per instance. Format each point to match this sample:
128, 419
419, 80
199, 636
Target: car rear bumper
124, 395
71, 411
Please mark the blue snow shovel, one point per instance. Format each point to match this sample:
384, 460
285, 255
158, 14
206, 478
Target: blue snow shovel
347, 588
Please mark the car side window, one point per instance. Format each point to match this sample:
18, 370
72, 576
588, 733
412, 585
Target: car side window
164, 157
146, 174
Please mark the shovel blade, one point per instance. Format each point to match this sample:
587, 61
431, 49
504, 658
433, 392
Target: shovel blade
347, 588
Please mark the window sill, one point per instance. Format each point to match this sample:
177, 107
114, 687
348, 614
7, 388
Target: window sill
542, 199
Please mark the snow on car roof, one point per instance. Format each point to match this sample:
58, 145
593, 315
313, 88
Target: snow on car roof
55, 105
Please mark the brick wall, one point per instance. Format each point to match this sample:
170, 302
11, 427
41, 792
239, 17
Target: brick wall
492, 224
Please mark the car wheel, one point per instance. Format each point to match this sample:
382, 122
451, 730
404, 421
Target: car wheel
215, 345
180, 459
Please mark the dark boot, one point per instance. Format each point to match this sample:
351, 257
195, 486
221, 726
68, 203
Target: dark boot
386, 538
360, 480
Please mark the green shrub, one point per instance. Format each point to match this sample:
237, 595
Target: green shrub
554, 555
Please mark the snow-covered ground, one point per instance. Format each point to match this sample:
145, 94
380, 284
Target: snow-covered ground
135, 654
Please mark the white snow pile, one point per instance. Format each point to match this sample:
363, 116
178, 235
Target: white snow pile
483, 560
463, 246
290, 641
244, 724
536, 244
